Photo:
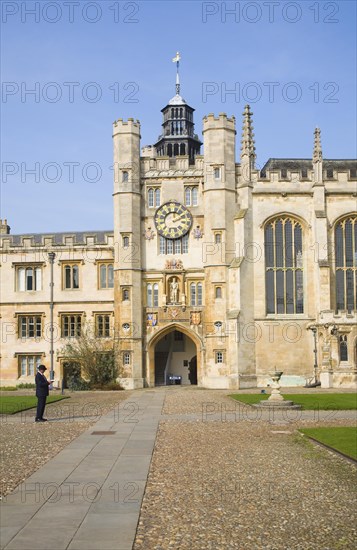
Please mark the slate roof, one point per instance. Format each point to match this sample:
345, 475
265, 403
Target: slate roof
59, 238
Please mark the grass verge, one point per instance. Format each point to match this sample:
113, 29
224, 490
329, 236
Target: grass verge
309, 402
343, 439
12, 404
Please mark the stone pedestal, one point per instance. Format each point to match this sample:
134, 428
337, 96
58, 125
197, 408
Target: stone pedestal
326, 379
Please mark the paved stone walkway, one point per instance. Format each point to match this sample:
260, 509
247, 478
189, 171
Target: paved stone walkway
90, 495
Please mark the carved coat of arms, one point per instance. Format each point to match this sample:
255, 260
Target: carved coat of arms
195, 318
151, 319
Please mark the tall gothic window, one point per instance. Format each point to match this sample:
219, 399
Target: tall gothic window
346, 263
284, 266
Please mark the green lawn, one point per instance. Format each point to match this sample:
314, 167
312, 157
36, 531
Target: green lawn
11, 404
342, 439
322, 401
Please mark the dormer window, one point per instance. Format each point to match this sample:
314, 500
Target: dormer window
304, 173
329, 173
284, 173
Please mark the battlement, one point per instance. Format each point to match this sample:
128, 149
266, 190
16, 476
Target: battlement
129, 126
211, 122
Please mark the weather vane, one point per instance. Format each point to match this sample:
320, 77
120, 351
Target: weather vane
176, 60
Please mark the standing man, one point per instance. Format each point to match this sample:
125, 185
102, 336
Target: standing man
42, 392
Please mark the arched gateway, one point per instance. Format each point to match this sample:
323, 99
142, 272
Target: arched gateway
174, 351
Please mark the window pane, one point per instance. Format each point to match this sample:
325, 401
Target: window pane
156, 295
270, 295
23, 327
103, 276
151, 197
280, 291
29, 278
38, 361
162, 245
340, 289
157, 197
75, 276
67, 275
279, 244
193, 294
107, 325
38, 327
343, 349
177, 246
31, 327
185, 244
170, 246
349, 290
23, 362
110, 276
339, 246
269, 246
149, 296
21, 279
79, 325
188, 196
299, 291
288, 244
194, 196
289, 292
31, 363
199, 294
348, 244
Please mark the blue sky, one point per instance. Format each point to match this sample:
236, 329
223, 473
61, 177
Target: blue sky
120, 53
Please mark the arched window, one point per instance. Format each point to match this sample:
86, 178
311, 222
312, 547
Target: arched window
343, 347
149, 295
157, 197
156, 295
169, 150
196, 294
106, 276
71, 277
182, 149
218, 238
218, 292
346, 263
176, 150
284, 266
188, 196
126, 294
194, 196
151, 198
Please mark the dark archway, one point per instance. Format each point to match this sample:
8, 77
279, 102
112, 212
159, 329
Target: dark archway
173, 358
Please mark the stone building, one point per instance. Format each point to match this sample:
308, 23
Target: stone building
216, 274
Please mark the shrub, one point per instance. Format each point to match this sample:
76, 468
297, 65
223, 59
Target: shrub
26, 386
76, 383
109, 386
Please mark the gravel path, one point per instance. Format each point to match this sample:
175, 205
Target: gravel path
26, 445
216, 485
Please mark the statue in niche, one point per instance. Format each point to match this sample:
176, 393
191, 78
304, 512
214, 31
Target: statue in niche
173, 290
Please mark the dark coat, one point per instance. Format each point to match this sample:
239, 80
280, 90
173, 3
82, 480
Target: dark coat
41, 385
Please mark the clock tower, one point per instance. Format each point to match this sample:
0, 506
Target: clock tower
178, 137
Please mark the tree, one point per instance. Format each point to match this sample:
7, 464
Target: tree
96, 357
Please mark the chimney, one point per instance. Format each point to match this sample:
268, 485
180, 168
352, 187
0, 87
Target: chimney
4, 228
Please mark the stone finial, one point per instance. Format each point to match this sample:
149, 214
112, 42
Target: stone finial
4, 228
317, 154
247, 141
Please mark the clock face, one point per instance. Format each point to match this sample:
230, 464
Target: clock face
172, 220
